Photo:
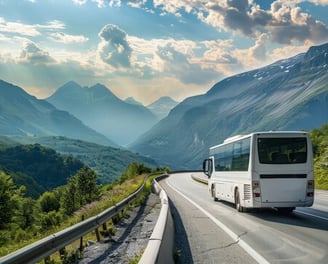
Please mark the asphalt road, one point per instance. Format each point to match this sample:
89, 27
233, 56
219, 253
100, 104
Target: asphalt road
214, 232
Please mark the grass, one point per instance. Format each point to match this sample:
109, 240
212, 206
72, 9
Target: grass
111, 195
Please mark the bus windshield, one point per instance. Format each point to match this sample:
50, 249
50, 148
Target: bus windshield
282, 150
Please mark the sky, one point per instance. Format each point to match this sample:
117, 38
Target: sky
146, 49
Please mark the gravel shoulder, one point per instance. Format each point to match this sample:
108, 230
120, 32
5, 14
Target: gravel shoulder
131, 236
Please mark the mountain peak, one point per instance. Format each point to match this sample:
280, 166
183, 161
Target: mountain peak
162, 106
316, 56
131, 100
100, 91
316, 51
70, 88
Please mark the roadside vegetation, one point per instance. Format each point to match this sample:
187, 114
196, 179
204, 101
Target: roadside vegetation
319, 139
24, 220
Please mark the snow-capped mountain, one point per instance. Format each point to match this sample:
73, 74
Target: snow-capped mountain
291, 94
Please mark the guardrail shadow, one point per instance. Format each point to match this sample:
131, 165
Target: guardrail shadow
182, 252
115, 243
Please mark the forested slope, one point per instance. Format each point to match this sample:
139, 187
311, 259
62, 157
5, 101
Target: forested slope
319, 139
36, 167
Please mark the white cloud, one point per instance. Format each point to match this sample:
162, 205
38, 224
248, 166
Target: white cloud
259, 50
66, 38
319, 2
114, 48
79, 2
19, 28
316, 2
136, 3
32, 54
28, 30
114, 3
285, 22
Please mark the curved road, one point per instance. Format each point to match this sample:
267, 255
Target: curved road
214, 232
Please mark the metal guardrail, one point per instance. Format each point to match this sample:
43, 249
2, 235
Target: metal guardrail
55, 242
202, 178
152, 250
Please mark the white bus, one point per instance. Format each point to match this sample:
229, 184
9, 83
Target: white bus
262, 169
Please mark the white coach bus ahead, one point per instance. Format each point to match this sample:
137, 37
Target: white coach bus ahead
262, 169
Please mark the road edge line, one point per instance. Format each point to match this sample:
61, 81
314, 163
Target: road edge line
254, 254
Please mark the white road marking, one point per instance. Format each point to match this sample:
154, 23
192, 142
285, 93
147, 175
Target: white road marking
317, 216
234, 236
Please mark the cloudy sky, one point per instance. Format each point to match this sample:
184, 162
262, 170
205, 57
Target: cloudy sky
150, 48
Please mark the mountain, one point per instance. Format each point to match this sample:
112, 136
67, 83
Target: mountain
100, 109
131, 100
109, 163
36, 167
162, 106
290, 94
24, 115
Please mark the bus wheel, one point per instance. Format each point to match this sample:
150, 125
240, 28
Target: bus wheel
237, 202
213, 194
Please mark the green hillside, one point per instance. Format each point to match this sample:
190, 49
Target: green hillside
36, 167
109, 163
319, 139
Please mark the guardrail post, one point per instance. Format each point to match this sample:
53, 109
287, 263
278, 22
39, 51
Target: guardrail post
97, 234
81, 238
81, 244
62, 253
47, 260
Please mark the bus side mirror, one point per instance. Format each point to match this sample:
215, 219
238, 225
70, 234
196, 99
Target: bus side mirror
207, 167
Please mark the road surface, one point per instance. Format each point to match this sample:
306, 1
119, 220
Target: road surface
214, 232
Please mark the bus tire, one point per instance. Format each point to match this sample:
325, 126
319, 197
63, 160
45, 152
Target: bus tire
213, 194
237, 202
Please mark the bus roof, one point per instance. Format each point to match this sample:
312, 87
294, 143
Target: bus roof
239, 137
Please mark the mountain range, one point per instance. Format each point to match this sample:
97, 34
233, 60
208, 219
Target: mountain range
290, 94
99, 108
24, 115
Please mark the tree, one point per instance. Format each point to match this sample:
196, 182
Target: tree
8, 199
27, 213
133, 170
49, 202
86, 180
80, 190
68, 201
